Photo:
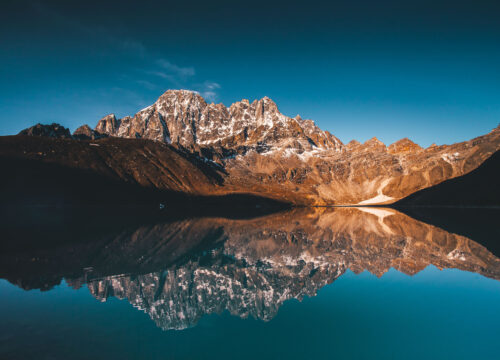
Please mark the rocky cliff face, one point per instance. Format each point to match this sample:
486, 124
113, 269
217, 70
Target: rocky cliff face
263, 152
183, 117
53, 130
258, 264
85, 132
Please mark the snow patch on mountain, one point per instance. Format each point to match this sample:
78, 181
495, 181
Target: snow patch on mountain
380, 197
450, 158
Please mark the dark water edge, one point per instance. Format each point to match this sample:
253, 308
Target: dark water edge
21, 224
480, 224
40, 245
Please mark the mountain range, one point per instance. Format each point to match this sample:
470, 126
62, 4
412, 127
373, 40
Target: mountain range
185, 145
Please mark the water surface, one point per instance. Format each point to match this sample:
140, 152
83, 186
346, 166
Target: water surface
310, 283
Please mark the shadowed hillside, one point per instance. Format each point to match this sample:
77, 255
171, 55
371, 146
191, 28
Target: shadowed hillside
477, 188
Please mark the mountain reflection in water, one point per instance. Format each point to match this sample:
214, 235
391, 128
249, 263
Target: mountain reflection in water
179, 271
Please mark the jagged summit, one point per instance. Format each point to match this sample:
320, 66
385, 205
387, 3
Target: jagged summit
373, 141
404, 145
85, 132
185, 118
372, 144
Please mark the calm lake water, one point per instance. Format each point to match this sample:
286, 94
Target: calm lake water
309, 283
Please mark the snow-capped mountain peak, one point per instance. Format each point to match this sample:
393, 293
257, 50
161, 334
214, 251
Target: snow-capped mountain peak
185, 118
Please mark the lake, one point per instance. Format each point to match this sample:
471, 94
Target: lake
348, 283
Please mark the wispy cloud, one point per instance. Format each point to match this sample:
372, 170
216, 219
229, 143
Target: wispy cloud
147, 84
209, 90
176, 75
155, 73
164, 69
178, 70
182, 77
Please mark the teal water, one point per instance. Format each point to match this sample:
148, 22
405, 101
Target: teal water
435, 314
247, 292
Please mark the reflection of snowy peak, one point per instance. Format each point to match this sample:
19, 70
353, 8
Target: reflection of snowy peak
264, 262
183, 117
179, 297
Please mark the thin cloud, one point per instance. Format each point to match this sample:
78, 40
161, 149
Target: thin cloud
177, 76
209, 95
208, 90
211, 85
147, 84
181, 78
175, 69
161, 73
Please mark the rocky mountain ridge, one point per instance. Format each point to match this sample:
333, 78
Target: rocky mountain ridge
266, 153
183, 117
53, 130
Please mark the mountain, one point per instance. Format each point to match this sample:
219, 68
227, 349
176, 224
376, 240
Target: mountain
53, 130
257, 150
183, 117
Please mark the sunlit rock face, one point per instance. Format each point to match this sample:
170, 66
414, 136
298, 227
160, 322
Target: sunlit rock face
256, 265
84, 132
183, 117
265, 152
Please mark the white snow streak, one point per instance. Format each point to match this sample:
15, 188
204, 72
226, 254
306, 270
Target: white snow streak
380, 197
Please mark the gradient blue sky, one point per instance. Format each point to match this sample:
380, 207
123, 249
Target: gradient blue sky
428, 70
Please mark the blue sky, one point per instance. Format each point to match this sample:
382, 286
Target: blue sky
428, 70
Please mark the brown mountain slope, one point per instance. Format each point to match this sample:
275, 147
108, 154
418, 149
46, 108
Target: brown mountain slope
365, 175
59, 171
